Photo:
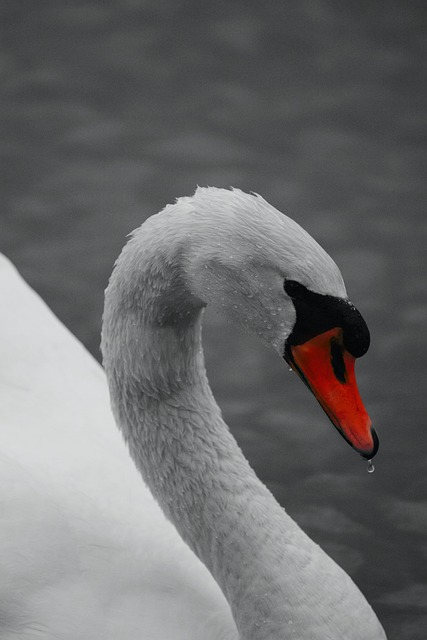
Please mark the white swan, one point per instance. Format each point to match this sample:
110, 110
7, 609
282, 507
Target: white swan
85, 551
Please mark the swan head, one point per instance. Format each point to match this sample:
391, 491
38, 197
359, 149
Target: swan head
268, 276
271, 278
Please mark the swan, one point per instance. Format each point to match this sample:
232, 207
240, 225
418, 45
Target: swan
200, 549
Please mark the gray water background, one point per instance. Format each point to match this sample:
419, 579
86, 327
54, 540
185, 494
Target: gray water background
111, 109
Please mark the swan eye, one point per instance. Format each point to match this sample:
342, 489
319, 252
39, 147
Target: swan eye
293, 288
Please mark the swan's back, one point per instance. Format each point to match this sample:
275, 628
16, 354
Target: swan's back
85, 552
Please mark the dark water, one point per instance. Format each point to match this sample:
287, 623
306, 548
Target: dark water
111, 109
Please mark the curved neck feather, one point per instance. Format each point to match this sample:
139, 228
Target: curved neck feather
163, 403
187, 456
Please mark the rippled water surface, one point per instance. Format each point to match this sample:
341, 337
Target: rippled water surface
111, 109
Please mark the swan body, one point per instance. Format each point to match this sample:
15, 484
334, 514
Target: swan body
88, 552
85, 551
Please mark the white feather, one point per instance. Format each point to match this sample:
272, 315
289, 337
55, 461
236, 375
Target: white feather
85, 550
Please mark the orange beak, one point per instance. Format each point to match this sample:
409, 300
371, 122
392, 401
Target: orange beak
324, 365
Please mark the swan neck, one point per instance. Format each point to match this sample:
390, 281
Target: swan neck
267, 568
186, 454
